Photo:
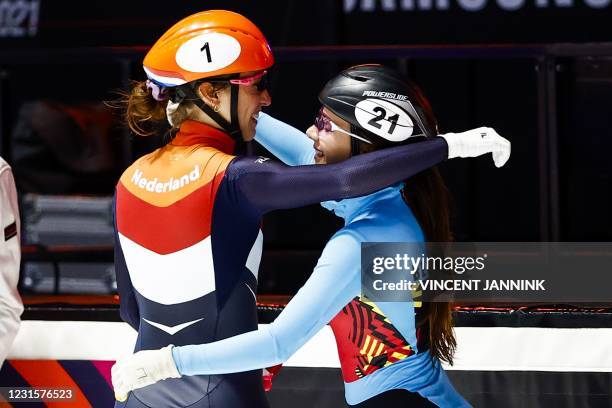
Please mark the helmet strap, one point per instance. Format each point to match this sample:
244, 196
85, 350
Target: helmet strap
188, 93
235, 131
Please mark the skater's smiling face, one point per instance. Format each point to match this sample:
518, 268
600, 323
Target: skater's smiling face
252, 97
330, 143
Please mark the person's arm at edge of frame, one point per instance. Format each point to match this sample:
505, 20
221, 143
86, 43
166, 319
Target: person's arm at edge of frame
11, 305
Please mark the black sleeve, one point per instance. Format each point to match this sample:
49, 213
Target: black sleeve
269, 185
128, 308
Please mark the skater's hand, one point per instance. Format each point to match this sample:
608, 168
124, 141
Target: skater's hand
141, 369
476, 142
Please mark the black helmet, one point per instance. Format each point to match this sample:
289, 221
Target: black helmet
380, 104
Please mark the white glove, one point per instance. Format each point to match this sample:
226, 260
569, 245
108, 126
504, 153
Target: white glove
476, 142
141, 369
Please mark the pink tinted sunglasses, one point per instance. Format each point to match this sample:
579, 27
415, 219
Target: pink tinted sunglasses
324, 123
248, 81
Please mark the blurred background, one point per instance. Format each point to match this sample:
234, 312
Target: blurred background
538, 71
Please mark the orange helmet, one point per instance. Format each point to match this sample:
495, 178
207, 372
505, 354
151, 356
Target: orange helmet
205, 45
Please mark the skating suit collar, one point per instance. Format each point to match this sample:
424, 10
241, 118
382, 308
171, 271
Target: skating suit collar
351, 208
193, 132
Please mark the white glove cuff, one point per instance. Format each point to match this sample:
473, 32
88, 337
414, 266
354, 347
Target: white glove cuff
454, 145
167, 366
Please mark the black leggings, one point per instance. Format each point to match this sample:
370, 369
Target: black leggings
396, 399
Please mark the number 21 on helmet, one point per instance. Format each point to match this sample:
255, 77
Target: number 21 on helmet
381, 105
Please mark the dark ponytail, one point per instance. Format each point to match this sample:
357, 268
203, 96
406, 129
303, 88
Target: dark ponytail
427, 196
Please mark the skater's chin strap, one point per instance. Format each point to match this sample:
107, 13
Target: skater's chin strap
187, 92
